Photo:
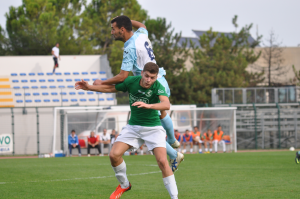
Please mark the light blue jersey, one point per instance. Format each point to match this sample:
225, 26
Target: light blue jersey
137, 52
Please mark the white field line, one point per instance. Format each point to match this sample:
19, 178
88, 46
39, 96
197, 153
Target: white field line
98, 177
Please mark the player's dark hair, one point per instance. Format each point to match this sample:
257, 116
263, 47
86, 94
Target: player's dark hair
219, 125
72, 131
151, 68
123, 21
195, 126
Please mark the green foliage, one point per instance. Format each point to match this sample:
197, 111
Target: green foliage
296, 79
170, 56
4, 43
222, 64
34, 27
95, 24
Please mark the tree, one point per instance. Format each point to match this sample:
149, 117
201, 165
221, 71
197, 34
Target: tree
35, 26
4, 43
95, 24
170, 56
273, 57
221, 62
296, 79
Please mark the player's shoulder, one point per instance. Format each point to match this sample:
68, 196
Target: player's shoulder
131, 79
141, 31
129, 50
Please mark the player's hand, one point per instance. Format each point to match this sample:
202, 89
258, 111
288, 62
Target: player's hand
97, 82
82, 85
141, 105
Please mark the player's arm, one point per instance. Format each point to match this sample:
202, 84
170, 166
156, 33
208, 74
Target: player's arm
114, 80
100, 88
52, 52
137, 24
106, 142
163, 105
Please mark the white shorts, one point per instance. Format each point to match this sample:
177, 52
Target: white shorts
136, 136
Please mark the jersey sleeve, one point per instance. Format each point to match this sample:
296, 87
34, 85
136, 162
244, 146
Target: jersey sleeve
161, 90
129, 56
142, 31
124, 85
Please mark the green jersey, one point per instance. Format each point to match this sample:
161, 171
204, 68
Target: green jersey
140, 116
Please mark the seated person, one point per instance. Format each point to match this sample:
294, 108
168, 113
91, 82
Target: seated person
104, 139
113, 136
93, 142
178, 137
73, 143
208, 139
218, 135
187, 138
197, 138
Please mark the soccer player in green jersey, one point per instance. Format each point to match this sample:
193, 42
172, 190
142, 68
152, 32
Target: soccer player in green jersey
146, 96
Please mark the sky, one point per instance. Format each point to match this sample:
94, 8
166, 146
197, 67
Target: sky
281, 16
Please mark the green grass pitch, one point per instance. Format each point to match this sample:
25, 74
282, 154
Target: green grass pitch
230, 175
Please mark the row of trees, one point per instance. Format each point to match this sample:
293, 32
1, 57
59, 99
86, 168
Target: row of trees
34, 27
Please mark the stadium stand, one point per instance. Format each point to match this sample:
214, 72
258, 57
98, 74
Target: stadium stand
37, 86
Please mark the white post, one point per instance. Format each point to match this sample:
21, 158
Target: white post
54, 131
66, 141
234, 130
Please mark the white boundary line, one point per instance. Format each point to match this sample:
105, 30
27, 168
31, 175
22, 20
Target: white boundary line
98, 177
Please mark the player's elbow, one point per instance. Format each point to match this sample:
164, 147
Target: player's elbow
122, 78
168, 106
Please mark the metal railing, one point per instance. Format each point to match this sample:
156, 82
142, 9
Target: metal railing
258, 95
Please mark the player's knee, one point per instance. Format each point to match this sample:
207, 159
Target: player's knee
162, 162
113, 156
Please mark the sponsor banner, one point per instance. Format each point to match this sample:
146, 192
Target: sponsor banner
6, 143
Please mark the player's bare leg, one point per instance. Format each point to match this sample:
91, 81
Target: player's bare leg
205, 146
119, 167
168, 126
191, 147
167, 174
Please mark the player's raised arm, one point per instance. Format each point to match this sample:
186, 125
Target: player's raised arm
137, 24
163, 105
100, 88
114, 80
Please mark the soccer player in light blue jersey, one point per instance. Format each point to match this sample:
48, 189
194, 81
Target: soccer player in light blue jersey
137, 52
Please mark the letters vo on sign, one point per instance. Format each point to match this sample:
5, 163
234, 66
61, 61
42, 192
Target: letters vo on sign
6, 143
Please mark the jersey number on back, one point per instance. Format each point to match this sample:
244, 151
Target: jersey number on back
149, 50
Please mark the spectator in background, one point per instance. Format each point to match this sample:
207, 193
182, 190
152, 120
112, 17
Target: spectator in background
105, 139
73, 143
55, 54
208, 139
113, 136
187, 138
218, 135
178, 137
197, 138
93, 142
